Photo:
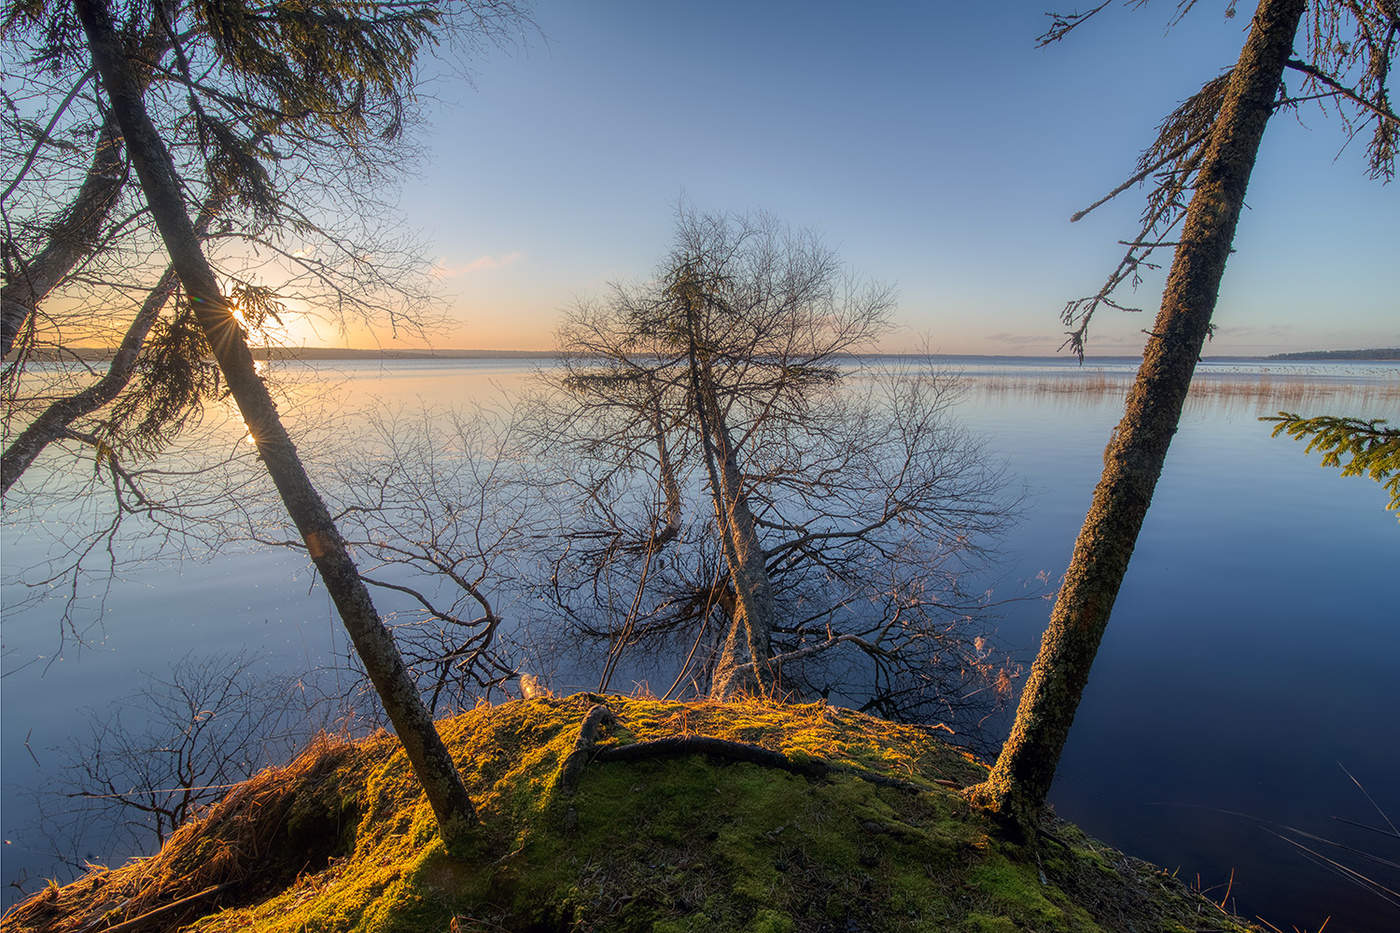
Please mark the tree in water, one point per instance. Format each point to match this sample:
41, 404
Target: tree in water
836, 504
1206, 149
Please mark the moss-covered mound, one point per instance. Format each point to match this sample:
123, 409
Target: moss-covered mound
855, 824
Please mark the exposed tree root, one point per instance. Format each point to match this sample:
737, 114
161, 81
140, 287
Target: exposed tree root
586, 750
721, 749
598, 718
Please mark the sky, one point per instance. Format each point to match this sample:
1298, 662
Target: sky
931, 145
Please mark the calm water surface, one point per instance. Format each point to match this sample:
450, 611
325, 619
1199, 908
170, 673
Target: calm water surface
1252, 647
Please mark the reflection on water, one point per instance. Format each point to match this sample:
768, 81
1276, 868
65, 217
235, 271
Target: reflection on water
1241, 663
1250, 649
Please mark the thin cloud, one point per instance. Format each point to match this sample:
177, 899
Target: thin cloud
442, 270
1258, 330
1024, 339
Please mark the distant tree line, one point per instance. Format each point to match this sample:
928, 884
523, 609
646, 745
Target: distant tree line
1392, 353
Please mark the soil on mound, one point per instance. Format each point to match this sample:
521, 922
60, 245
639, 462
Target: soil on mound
664, 817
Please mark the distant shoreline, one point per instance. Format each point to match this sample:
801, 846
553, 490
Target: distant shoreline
313, 354
100, 354
342, 353
1388, 353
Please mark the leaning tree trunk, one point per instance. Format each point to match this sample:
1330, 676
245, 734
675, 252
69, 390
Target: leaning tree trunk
749, 573
426, 753
743, 552
1018, 784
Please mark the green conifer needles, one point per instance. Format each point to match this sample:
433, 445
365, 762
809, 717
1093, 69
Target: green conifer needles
1370, 448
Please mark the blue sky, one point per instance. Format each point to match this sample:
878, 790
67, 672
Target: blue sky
932, 145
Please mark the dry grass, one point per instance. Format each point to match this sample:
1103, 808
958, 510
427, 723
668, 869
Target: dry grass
261, 836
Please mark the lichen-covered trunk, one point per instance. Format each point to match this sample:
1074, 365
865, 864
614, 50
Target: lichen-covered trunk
431, 763
670, 485
1017, 787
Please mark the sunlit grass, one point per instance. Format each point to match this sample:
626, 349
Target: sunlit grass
342, 839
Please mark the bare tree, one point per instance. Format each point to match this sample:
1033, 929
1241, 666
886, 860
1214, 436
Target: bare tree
154, 759
839, 503
1207, 148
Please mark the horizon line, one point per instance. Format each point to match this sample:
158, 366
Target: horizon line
1370, 354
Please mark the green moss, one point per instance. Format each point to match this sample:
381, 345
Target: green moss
1015, 888
769, 921
670, 846
982, 923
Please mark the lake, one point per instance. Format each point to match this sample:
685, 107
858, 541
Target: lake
1251, 650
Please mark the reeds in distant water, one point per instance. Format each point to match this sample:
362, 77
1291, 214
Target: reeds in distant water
1266, 392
